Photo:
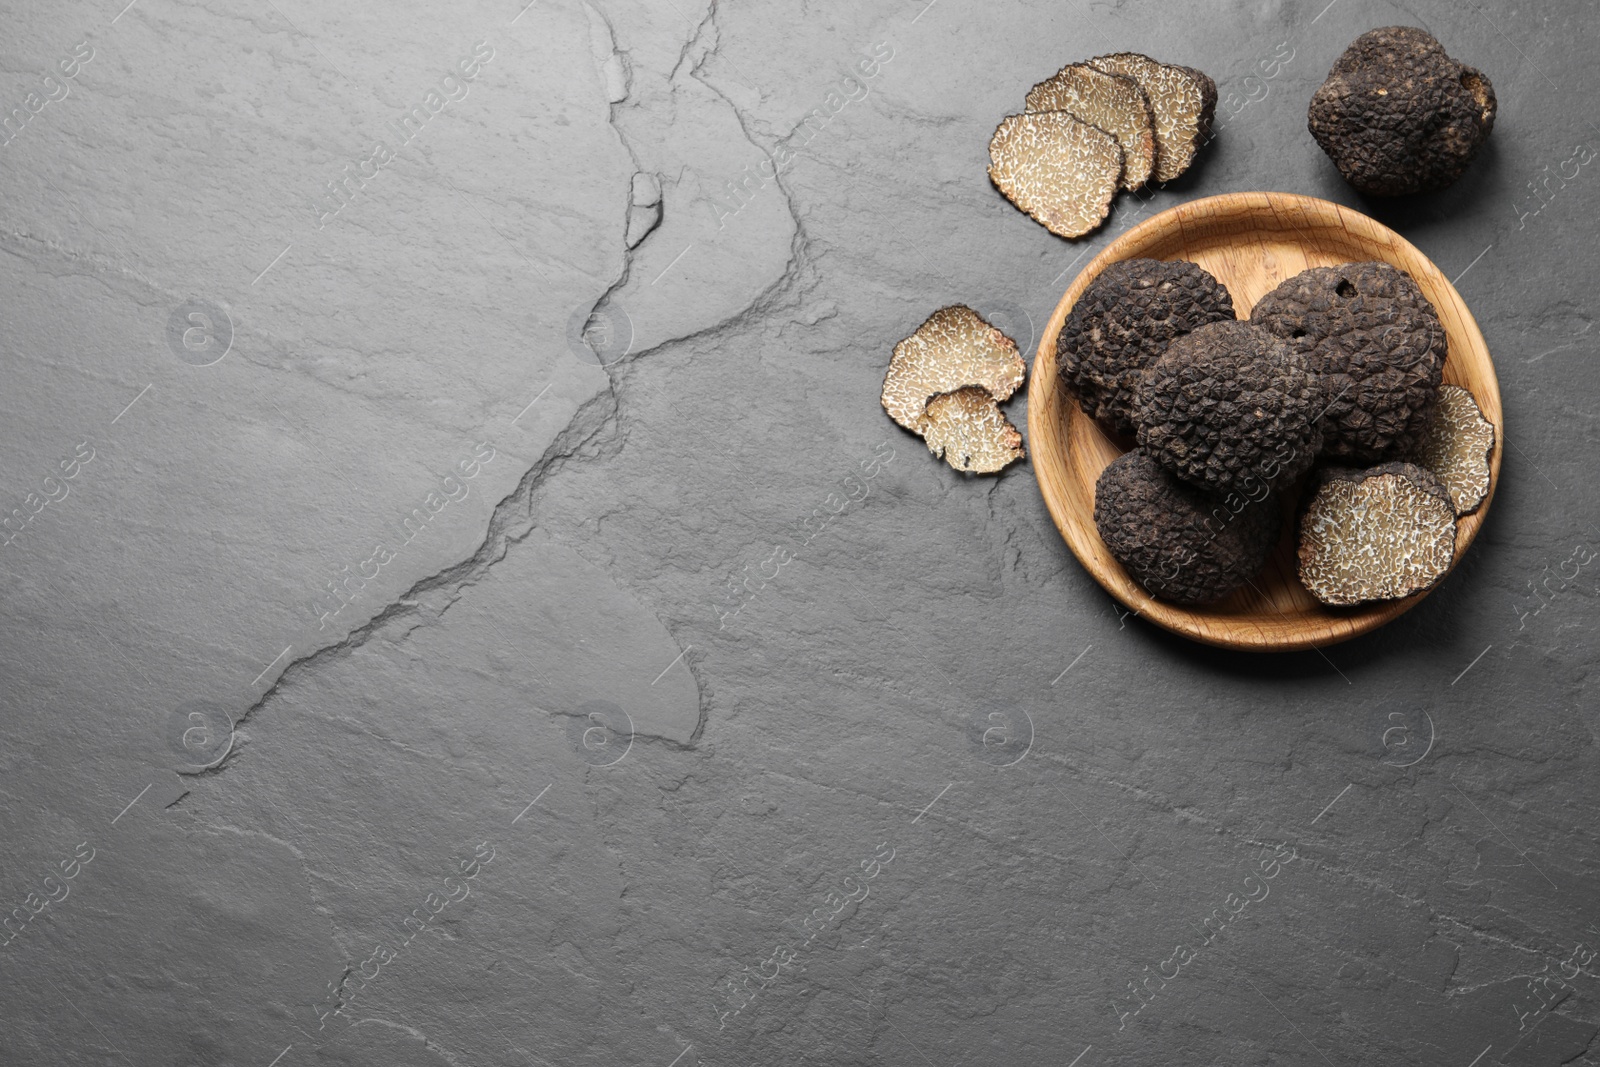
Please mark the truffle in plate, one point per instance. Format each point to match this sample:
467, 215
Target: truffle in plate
1180, 544
1231, 407
1123, 322
1376, 534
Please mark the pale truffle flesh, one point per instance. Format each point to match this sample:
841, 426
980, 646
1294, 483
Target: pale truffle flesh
1182, 100
967, 429
1378, 534
1112, 102
955, 347
1059, 169
1457, 448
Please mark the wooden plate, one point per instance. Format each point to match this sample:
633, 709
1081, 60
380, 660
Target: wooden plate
1251, 242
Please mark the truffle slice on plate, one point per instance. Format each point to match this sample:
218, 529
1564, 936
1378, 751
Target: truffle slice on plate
1379, 346
953, 348
1231, 407
1123, 322
1457, 447
1182, 100
1376, 534
1057, 168
1176, 541
1114, 103
1397, 115
967, 429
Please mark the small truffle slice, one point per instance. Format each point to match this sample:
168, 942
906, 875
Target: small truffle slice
1176, 541
1182, 100
1457, 447
1114, 103
1377, 534
953, 348
1397, 115
1229, 407
1057, 168
967, 429
1370, 332
1123, 322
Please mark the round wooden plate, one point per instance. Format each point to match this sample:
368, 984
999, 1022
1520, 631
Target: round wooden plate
1251, 242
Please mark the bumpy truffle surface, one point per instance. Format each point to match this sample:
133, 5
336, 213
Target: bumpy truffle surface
1376, 534
1397, 115
1176, 541
1114, 103
1182, 101
1059, 169
953, 348
1457, 447
1231, 407
1378, 344
968, 430
1123, 322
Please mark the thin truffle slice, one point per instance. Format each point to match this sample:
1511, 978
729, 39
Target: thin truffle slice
1176, 541
1376, 534
1123, 322
1397, 115
1114, 103
967, 429
1057, 168
1182, 100
953, 348
1457, 447
1231, 407
1370, 332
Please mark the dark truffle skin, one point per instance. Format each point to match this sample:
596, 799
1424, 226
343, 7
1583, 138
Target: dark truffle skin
1231, 407
1123, 321
1397, 115
1379, 347
1179, 543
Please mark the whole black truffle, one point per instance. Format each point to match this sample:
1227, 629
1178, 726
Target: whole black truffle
1231, 407
1397, 115
1123, 321
1179, 543
1378, 345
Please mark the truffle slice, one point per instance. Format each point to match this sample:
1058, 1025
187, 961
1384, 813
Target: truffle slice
967, 429
1379, 346
1123, 321
1114, 103
1230, 407
1397, 115
1376, 534
1182, 100
1056, 167
1457, 447
1177, 542
953, 348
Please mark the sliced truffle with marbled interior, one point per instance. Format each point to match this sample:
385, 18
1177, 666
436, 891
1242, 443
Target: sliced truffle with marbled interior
1059, 169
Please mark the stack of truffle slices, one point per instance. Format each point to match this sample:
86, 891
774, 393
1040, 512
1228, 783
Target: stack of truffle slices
1337, 372
945, 384
1115, 121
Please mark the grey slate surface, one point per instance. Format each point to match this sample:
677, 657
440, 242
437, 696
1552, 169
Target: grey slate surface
530, 781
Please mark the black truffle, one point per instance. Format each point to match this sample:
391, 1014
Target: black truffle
1397, 115
1378, 344
1183, 102
1179, 543
1231, 407
1123, 322
1376, 534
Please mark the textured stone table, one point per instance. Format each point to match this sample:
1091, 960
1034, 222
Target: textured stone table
463, 603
